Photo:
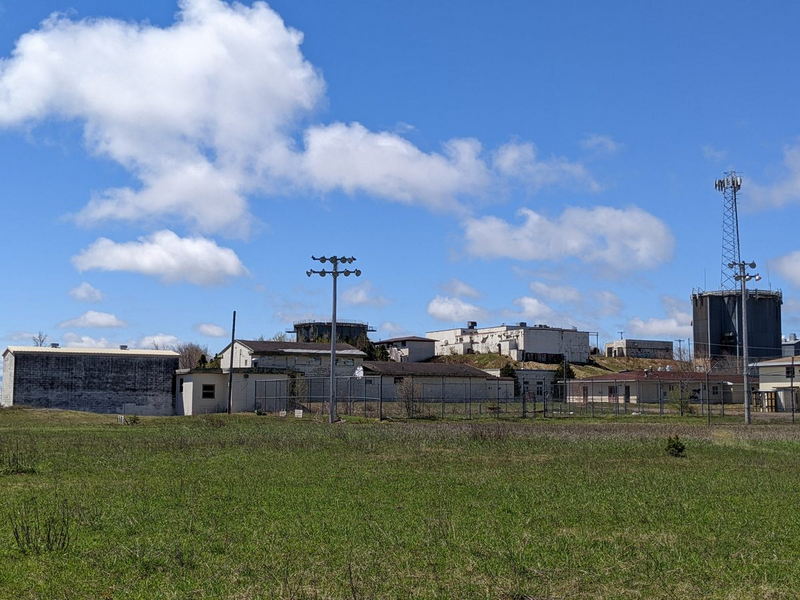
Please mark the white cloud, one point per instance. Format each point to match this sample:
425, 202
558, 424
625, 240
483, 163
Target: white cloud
600, 144
449, 309
607, 303
208, 110
211, 330
352, 158
163, 254
73, 340
93, 318
456, 287
713, 154
677, 323
783, 192
558, 293
789, 267
197, 111
85, 292
623, 239
362, 294
534, 309
390, 328
158, 341
520, 161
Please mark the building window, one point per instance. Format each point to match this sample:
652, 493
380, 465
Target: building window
715, 390
398, 380
209, 391
789, 372
180, 386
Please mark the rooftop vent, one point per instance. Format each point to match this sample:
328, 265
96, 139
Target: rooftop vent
472, 324
54, 345
123, 347
523, 324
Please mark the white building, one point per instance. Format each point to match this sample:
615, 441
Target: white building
639, 348
540, 343
265, 375
536, 384
409, 349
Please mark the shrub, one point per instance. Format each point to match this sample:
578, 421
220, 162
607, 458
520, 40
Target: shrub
675, 447
17, 459
38, 530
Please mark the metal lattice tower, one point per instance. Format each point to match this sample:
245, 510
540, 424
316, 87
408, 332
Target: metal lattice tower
729, 186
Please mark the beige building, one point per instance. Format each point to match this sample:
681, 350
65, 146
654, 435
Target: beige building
265, 376
409, 349
634, 387
639, 349
777, 383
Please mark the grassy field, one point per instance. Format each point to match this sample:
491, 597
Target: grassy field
257, 507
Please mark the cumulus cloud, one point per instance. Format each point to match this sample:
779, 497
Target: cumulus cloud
456, 287
558, 293
93, 318
85, 292
362, 294
521, 161
676, 324
352, 158
73, 340
166, 255
445, 308
157, 341
600, 144
391, 328
211, 330
196, 111
533, 308
789, 267
622, 239
782, 192
216, 106
607, 303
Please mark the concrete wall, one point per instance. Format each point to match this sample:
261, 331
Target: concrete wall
134, 384
8, 380
639, 349
246, 396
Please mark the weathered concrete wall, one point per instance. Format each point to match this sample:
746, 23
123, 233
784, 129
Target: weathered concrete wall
8, 380
93, 382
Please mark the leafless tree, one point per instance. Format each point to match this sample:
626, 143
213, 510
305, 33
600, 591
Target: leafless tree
40, 339
191, 354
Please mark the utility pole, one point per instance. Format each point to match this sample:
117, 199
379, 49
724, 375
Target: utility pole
743, 277
334, 273
230, 365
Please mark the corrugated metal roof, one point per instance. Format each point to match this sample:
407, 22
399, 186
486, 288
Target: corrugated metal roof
424, 369
109, 351
785, 361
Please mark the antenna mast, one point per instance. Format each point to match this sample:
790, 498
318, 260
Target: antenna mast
729, 186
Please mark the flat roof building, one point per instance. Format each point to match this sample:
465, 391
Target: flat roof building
91, 379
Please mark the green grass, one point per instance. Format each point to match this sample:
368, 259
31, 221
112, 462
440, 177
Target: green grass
257, 507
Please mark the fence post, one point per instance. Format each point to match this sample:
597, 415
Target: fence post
380, 398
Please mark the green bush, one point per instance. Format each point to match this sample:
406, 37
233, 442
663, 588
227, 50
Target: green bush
675, 447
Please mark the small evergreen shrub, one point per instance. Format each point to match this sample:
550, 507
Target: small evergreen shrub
675, 447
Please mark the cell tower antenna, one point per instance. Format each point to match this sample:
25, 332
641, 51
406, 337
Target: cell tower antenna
729, 186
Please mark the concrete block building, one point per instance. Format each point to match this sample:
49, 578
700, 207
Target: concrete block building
540, 343
121, 381
778, 380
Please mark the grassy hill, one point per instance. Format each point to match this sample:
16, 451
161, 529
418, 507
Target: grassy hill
597, 365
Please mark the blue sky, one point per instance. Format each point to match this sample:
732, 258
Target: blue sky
165, 163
